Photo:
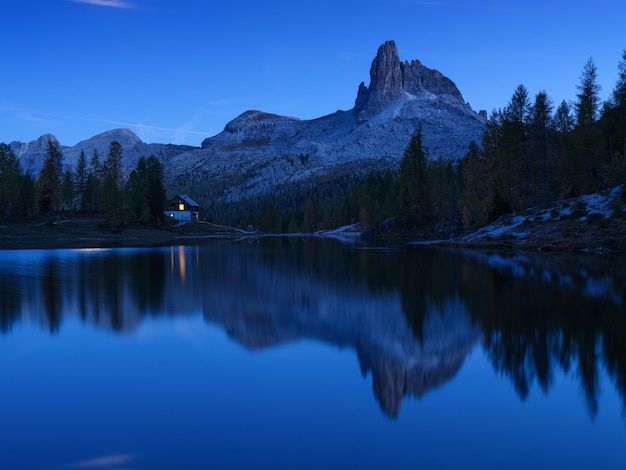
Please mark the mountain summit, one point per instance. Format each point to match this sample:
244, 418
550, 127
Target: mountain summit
389, 78
259, 153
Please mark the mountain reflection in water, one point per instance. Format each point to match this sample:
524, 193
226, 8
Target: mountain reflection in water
412, 315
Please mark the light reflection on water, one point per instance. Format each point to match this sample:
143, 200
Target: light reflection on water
270, 354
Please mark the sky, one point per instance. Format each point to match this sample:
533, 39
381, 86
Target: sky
179, 71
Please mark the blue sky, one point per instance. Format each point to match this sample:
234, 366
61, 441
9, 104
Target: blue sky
178, 71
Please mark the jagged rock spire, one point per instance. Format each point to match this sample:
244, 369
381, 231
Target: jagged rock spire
385, 82
389, 78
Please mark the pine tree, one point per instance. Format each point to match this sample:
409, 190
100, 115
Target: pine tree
441, 183
112, 190
156, 188
565, 155
145, 190
67, 190
614, 129
10, 179
93, 184
476, 198
588, 95
541, 151
112, 194
136, 190
586, 161
50, 179
514, 164
618, 96
412, 181
80, 179
28, 196
113, 164
563, 119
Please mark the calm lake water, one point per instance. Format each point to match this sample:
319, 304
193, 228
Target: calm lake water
302, 353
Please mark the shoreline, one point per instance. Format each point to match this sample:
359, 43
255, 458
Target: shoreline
84, 232
80, 232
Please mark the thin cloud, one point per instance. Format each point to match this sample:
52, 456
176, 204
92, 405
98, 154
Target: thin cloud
144, 131
105, 461
137, 125
107, 3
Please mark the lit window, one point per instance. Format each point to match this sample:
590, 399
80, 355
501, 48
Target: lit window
181, 206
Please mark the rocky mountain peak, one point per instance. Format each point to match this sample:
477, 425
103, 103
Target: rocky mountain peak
124, 136
44, 139
258, 153
385, 80
253, 118
253, 126
390, 78
33, 153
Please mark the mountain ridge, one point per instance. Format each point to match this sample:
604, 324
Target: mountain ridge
258, 152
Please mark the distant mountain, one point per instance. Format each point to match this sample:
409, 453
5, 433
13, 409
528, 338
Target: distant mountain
33, 153
273, 150
258, 152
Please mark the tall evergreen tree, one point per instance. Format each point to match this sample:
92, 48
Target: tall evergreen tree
136, 190
112, 194
145, 190
477, 196
67, 190
442, 190
156, 188
28, 196
80, 179
10, 179
618, 96
613, 127
49, 184
113, 164
563, 119
564, 123
515, 165
588, 96
412, 181
586, 161
541, 151
93, 184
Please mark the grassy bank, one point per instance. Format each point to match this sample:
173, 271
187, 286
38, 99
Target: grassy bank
92, 232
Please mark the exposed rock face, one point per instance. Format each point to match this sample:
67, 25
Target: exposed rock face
259, 152
269, 149
386, 82
32, 154
389, 78
253, 128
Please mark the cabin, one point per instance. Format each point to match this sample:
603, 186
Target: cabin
181, 207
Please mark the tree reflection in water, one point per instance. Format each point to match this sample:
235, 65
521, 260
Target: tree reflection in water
539, 314
411, 314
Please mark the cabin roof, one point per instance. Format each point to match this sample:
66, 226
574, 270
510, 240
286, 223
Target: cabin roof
187, 199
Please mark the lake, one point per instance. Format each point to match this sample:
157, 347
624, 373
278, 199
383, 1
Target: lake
307, 353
